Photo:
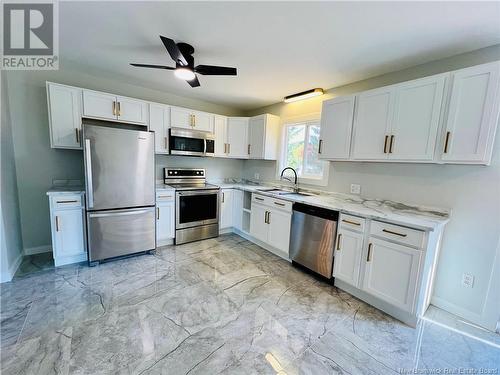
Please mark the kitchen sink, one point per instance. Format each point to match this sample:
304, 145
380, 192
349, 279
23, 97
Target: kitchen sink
300, 194
278, 191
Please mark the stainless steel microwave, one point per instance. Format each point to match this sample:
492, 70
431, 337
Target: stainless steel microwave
191, 142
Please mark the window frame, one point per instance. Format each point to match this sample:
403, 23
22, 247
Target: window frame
305, 179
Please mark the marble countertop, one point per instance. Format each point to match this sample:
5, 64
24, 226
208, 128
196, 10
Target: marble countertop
66, 190
425, 218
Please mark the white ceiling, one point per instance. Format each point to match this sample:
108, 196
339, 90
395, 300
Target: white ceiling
279, 48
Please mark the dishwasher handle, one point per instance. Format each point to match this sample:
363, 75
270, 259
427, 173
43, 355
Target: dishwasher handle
323, 213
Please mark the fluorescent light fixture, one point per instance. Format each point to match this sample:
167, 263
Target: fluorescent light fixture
184, 73
303, 95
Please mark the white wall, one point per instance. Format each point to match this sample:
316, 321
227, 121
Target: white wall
36, 163
10, 227
472, 236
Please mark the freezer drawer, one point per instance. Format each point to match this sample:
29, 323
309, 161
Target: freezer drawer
120, 232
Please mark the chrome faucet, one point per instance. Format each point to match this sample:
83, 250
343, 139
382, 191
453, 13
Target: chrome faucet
296, 184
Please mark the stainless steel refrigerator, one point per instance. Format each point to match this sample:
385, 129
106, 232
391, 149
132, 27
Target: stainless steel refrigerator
120, 189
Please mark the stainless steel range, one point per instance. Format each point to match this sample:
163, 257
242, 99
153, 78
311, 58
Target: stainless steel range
196, 204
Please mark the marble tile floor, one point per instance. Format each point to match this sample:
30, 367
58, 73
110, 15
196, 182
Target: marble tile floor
222, 305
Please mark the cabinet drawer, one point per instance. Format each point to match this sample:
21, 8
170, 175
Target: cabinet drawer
66, 200
396, 233
165, 196
261, 199
352, 222
275, 203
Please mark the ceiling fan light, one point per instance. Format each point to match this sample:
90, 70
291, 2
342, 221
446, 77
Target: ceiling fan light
185, 74
303, 95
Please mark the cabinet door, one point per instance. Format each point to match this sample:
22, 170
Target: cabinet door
203, 121
159, 120
372, 123
68, 233
237, 209
165, 222
279, 229
132, 110
64, 116
99, 105
226, 209
220, 136
416, 119
181, 118
256, 137
347, 261
472, 115
258, 226
336, 128
391, 273
237, 137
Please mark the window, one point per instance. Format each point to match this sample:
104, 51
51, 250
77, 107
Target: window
300, 150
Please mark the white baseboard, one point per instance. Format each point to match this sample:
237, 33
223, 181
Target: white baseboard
38, 250
12, 270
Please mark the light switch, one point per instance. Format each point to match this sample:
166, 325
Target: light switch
355, 189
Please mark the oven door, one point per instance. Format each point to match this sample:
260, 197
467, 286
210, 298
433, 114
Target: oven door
196, 207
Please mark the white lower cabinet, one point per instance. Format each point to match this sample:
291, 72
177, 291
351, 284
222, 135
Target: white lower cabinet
238, 209
226, 209
165, 217
67, 214
391, 272
270, 222
348, 250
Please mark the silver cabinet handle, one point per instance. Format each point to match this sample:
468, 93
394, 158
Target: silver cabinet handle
320, 146
77, 133
57, 223
88, 162
249, 149
72, 201
157, 213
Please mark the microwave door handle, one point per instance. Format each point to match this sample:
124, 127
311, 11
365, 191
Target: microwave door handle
204, 147
88, 163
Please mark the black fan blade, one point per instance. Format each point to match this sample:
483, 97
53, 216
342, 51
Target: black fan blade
174, 51
153, 66
194, 82
212, 70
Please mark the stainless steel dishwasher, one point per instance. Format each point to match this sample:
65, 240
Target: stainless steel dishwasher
312, 238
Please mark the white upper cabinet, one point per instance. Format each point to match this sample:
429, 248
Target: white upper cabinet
189, 119
132, 110
65, 119
99, 105
263, 137
237, 137
336, 128
416, 119
372, 124
159, 122
220, 131
472, 117
105, 106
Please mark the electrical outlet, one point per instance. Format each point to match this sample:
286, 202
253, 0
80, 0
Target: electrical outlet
467, 280
256, 176
355, 189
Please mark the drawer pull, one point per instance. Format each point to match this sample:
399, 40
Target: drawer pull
369, 255
72, 201
259, 199
350, 222
279, 204
338, 241
395, 233
165, 196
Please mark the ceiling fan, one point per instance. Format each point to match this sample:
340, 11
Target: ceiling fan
182, 54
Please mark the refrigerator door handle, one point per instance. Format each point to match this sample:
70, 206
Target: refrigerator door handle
88, 162
121, 213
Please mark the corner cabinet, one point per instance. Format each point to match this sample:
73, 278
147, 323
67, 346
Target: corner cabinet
67, 217
445, 118
64, 105
165, 217
472, 116
263, 137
